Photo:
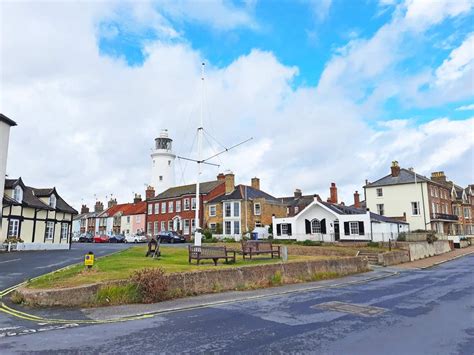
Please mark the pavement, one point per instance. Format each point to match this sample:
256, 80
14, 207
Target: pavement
438, 259
388, 311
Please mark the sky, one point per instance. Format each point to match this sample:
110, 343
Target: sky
330, 91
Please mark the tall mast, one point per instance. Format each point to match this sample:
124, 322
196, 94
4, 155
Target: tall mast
197, 233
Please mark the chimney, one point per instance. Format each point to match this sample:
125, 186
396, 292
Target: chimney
256, 183
138, 198
298, 193
150, 192
221, 177
333, 193
112, 202
99, 206
229, 183
395, 168
84, 209
356, 199
438, 176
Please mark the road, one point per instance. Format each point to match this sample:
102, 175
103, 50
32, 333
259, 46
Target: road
17, 267
416, 312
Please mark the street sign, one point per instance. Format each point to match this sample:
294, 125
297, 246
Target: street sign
89, 259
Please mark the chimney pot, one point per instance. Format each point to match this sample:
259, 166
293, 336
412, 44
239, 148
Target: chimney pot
221, 177
395, 168
333, 193
298, 193
356, 199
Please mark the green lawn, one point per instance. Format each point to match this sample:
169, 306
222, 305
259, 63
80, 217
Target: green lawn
121, 265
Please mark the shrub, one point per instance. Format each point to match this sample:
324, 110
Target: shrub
276, 279
152, 284
402, 237
229, 240
17, 298
419, 231
211, 240
207, 233
431, 237
373, 244
308, 242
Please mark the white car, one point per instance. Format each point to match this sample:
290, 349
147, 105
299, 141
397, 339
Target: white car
75, 238
136, 238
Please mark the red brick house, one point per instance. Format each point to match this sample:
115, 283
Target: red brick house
175, 208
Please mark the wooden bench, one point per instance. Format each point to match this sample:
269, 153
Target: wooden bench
213, 253
154, 248
253, 247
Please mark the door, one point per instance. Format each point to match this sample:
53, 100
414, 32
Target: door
336, 230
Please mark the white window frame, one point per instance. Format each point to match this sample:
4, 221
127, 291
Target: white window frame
138, 218
213, 227
186, 226
18, 193
227, 208
64, 230
163, 207
193, 225
296, 209
193, 203
149, 228
284, 229
52, 201
157, 208
13, 228
415, 207
178, 205
379, 192
236, 227
150, 209
236, 204
228, 228
155, 227
170, 206
49, 230
380, 209
212, 210
354, 228
315, 226
257, 211
162, 226
170, 225
186, 204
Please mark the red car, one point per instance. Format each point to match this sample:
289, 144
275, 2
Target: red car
101, 238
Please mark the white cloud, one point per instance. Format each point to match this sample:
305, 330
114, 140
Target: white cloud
87, 122
321, 8
466, 108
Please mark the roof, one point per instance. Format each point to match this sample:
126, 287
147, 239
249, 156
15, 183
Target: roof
347, 210
134, 208
204, 188
7, 120
31, 197
297, 201
242, 192
405, 177
380, 218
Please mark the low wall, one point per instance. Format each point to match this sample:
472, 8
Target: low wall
206, 281
421, 250
394, 257
36, 246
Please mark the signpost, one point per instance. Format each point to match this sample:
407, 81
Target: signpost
89, 260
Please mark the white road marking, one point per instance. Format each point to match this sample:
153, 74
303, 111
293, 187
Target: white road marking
8, 261
8, 328
50, 265
27, 331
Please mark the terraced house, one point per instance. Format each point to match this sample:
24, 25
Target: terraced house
241, 209
175, 208
39, 217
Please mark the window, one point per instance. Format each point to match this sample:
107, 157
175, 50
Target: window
297, 209
138, 218
162, 226
64, 230
212, 226
161, 178
18, 194
163, 207
149, 228
379, 192
284, 229
228, 227
258, 224
193, 225
128, 219
186, 204
236, 209
170, 207
157, 208
436, 192
212, 210
257, 209
380, 209
415, 208
150, 209
315, 226
186, 226
433, 207
52, 201
432, 191
49, 232
155, 227
236, 227
193, 203
227, 208
178, 206
169, 162
170, 225
354, 227
14, 228
466, 212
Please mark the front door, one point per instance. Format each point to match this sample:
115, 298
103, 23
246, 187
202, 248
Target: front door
336, 230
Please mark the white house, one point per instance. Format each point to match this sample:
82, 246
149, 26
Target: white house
330, 222
5, 124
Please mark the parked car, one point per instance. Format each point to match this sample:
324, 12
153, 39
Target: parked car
117, 238
101, 238
171, 237
137, 238
75, 238
86, 238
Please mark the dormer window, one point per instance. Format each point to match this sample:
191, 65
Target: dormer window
18, 194
52, 201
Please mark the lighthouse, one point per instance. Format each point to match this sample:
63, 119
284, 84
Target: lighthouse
162, 163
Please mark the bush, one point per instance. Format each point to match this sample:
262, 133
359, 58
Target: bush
373, 244
419, 231
207, 234
115, 295
431, 237
402, 237
276, 279
152, 284
310, 243
211, 240
229, 240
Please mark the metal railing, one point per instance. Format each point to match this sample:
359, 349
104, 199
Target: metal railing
444, 216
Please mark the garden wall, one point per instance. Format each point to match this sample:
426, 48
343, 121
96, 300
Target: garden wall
206, 281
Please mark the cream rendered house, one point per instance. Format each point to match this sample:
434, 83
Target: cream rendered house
5, 124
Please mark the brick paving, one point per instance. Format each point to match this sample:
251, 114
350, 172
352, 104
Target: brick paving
434, 260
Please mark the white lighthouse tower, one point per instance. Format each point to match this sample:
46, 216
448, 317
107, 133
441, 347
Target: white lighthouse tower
162, 164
